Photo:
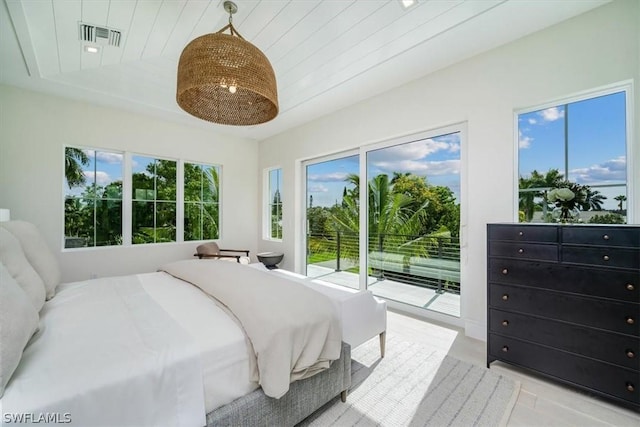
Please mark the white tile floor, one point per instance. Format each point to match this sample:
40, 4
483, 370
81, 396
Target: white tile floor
540, 402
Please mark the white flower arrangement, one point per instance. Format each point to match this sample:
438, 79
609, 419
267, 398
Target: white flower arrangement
560, 195
568, 198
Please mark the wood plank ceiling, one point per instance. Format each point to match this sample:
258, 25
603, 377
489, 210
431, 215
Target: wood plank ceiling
326, 54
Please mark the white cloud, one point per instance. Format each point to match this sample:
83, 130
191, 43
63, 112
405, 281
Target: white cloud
414, 150
524, 141
111, 158
101, 177
609, 171
328, 177
532, 121
319, 188
421, 167
551, 114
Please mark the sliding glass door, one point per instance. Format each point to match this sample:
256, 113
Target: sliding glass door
332, 215
407, 217
413, 224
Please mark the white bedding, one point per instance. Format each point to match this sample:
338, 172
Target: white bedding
294, 331
150, 349
175, 356
223, 349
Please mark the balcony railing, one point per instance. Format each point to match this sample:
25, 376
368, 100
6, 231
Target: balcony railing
430, 261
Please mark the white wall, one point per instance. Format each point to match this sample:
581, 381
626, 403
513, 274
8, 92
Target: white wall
591, 50
33, 131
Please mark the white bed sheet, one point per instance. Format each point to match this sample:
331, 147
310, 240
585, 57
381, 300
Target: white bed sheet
222, 343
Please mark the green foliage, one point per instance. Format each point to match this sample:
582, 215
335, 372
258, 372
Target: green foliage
95, 217
537, 183
406, 215
608, 218
201, 202
74, 160
539, 186
276, 216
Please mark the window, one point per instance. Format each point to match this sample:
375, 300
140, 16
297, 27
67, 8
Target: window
93, 198
201, 202
154, 200
584, 142
274, 204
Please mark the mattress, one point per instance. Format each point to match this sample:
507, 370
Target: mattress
222, 344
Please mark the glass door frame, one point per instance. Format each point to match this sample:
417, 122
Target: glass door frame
302, 251
363, 240
460, 128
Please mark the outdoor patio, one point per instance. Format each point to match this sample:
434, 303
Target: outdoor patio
446, 303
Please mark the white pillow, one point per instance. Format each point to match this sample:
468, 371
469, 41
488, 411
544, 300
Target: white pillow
14, 260
18, 322
37, 252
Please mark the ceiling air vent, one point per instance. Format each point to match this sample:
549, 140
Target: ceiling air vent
100, 35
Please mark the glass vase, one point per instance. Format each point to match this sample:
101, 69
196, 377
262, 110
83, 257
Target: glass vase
566, 215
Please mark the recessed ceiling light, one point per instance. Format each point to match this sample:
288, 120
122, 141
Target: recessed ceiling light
91, 49
408, 3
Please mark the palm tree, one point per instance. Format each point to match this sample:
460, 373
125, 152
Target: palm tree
389, 213
537, 182
593, 200
74, 160
621, 198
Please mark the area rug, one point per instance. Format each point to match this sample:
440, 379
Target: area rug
414, 385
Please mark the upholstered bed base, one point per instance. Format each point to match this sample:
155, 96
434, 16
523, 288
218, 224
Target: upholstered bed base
304, 397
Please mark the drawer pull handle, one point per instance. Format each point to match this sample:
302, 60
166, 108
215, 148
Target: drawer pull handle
520, 233
630, 387
505, 271
505, 297
630, 287
505, 348
520, 251
606, 257
605, 237
506, 323
629, 319
631, 354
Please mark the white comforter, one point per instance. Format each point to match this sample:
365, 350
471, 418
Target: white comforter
106, 352
295, 332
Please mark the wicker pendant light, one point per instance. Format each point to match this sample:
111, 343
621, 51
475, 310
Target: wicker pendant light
222, 78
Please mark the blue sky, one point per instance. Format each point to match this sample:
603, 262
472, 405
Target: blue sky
436, 158
597, 142
105, 167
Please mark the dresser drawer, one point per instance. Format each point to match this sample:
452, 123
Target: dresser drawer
615, 348
620, 285
609, 379
523, 233
596, 312
606, 257
533, 251
605, 236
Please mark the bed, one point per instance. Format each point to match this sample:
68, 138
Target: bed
156, 349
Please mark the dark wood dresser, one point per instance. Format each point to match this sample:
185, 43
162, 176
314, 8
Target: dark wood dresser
564, 301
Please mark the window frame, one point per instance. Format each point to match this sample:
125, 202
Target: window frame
183, 202
155, 199
623, 86
128, 200
267, 204
122, 200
